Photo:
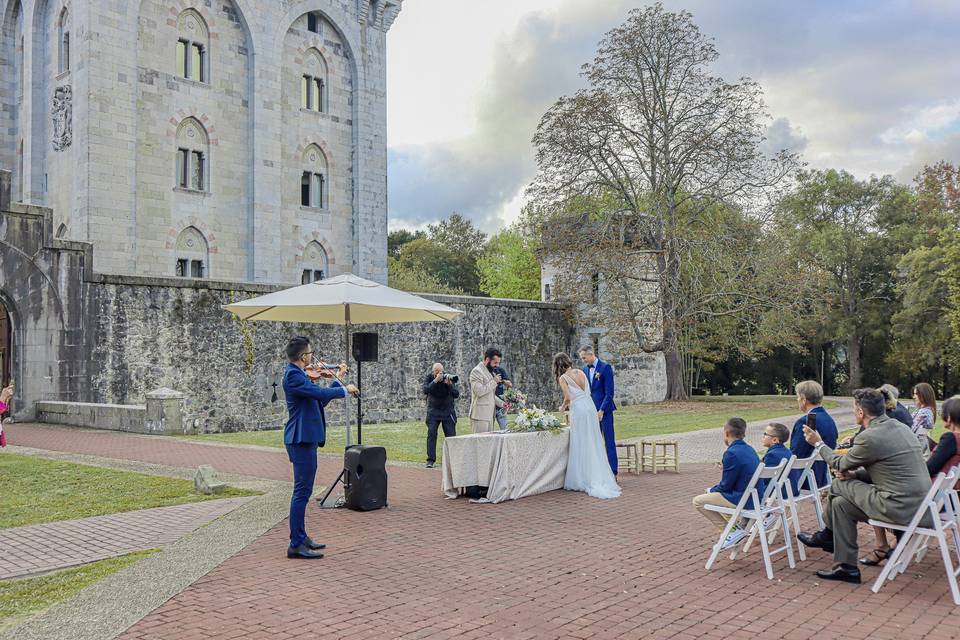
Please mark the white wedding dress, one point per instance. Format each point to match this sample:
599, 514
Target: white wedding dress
588, 469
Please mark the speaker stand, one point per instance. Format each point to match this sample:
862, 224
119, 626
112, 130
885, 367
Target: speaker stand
325, 502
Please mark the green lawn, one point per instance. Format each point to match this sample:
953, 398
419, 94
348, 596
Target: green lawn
406, 441
21, 599
37, 490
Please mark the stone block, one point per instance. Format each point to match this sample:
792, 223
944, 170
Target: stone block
165, 413
205, 480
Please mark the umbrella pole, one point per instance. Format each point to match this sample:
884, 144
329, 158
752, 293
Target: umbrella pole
346, 351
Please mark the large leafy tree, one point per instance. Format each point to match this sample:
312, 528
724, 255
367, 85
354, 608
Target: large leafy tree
444, 257
926, 328
509, 267
838, 227
396, 239
664, 141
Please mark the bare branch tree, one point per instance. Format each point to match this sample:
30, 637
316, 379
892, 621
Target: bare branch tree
660, 140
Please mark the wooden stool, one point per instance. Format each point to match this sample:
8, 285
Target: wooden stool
655, 454
629, 461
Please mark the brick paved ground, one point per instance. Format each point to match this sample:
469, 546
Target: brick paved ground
47, 547
550, 566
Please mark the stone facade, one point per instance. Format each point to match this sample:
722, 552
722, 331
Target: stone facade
81, 336
640, 377
100, 99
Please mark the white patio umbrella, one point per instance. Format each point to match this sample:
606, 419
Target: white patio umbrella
344, 300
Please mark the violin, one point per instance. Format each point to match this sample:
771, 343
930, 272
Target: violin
319, 370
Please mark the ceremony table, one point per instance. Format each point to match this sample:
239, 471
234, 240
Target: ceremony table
510, 465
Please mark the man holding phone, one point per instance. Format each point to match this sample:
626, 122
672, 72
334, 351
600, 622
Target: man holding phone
810, 399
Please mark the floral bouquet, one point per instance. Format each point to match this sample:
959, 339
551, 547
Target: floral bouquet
535, 419
513, 401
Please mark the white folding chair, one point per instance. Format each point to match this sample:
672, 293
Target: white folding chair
770, 503
942, 497
807, 490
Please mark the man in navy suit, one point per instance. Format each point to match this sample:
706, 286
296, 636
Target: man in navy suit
305, 431
740, 462
600, 375
809, 399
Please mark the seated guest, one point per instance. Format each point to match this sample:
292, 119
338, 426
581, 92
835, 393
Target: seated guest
882, 476
740, 461
947, 452
774, 437
892, 404
926, 415
809, 399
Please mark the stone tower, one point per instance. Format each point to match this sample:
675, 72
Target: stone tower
227, 139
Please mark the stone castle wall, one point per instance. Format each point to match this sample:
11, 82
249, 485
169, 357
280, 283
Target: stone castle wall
80, 336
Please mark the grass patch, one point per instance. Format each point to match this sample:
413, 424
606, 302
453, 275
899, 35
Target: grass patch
21, 599
36, 490
407, 441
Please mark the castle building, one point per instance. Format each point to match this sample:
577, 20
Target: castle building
222, 139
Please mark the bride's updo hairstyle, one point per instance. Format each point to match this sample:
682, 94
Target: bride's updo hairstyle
561, 362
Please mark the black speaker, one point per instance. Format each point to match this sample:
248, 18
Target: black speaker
365, 477
365, 347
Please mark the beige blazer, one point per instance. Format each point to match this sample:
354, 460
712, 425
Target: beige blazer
482, 394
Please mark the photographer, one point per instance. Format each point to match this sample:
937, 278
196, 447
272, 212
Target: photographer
441, 391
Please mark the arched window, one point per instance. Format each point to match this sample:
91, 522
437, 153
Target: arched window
314, 23
63, 31
192, 254
192, 46
192, 159
313, 84
315, 264
313, 180
62, 231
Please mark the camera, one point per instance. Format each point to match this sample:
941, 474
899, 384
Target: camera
451, 377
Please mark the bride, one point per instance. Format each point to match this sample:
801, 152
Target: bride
587, 466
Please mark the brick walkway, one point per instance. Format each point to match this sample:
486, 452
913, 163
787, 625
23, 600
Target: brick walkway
46, 547
559, 565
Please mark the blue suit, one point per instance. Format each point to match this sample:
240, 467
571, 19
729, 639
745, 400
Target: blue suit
740, 462
601, 390
772, 458
827, 429
306, 430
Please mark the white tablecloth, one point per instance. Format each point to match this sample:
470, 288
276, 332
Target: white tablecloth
510, 465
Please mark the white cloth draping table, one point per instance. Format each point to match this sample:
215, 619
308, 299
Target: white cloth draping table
510, 465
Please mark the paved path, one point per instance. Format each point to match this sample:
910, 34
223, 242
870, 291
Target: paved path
559, 565
47, 547
707, 445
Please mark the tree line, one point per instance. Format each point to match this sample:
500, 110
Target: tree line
745, 268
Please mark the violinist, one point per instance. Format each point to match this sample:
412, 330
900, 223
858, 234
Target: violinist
305, 431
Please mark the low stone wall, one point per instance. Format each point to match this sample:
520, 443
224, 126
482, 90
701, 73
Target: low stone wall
111, 417
161, 415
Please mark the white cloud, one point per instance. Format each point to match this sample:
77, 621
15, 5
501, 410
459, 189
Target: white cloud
863, 85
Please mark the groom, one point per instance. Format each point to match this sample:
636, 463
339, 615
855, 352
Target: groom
600, 375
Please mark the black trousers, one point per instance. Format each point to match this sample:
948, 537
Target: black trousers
449, 430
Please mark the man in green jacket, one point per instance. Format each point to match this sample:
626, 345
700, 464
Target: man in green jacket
882, 476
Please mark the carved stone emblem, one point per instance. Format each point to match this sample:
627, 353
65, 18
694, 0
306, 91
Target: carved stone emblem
62, 112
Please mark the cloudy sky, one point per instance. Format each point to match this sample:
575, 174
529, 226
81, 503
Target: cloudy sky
869, 86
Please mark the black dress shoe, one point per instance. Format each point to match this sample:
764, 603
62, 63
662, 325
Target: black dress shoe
303, 551
843, 573
820, 540
313, 545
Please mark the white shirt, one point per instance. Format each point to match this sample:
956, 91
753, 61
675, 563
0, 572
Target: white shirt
593, 371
